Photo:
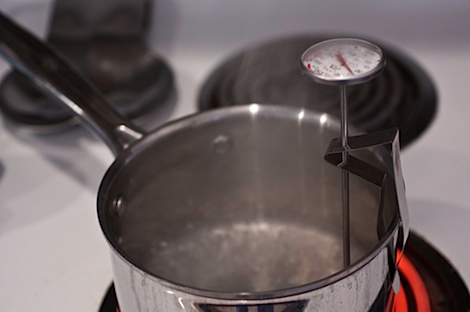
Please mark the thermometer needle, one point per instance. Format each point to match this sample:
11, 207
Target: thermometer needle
343, 62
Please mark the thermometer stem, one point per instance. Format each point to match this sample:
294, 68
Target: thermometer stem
344, 116
345, 179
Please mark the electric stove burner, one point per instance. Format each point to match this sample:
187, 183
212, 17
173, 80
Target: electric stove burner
429, 283
106, 43
402, 96
447, 292
24, 105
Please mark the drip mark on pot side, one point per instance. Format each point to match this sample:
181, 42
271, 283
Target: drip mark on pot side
120, 205
221, 144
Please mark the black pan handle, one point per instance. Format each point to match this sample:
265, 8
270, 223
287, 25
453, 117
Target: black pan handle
59, 80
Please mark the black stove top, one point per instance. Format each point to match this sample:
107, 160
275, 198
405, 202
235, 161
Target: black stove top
402, 96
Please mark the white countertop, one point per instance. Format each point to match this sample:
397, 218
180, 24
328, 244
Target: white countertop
53, 256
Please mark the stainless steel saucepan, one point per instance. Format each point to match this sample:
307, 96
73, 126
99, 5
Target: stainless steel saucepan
228, 210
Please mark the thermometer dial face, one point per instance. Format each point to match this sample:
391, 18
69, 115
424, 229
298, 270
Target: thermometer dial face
342, 61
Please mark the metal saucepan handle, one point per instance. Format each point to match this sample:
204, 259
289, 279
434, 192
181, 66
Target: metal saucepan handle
52, 74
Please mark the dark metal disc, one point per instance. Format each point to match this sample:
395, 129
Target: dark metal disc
402, 96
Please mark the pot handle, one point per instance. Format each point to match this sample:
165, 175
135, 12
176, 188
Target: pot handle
48, 70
